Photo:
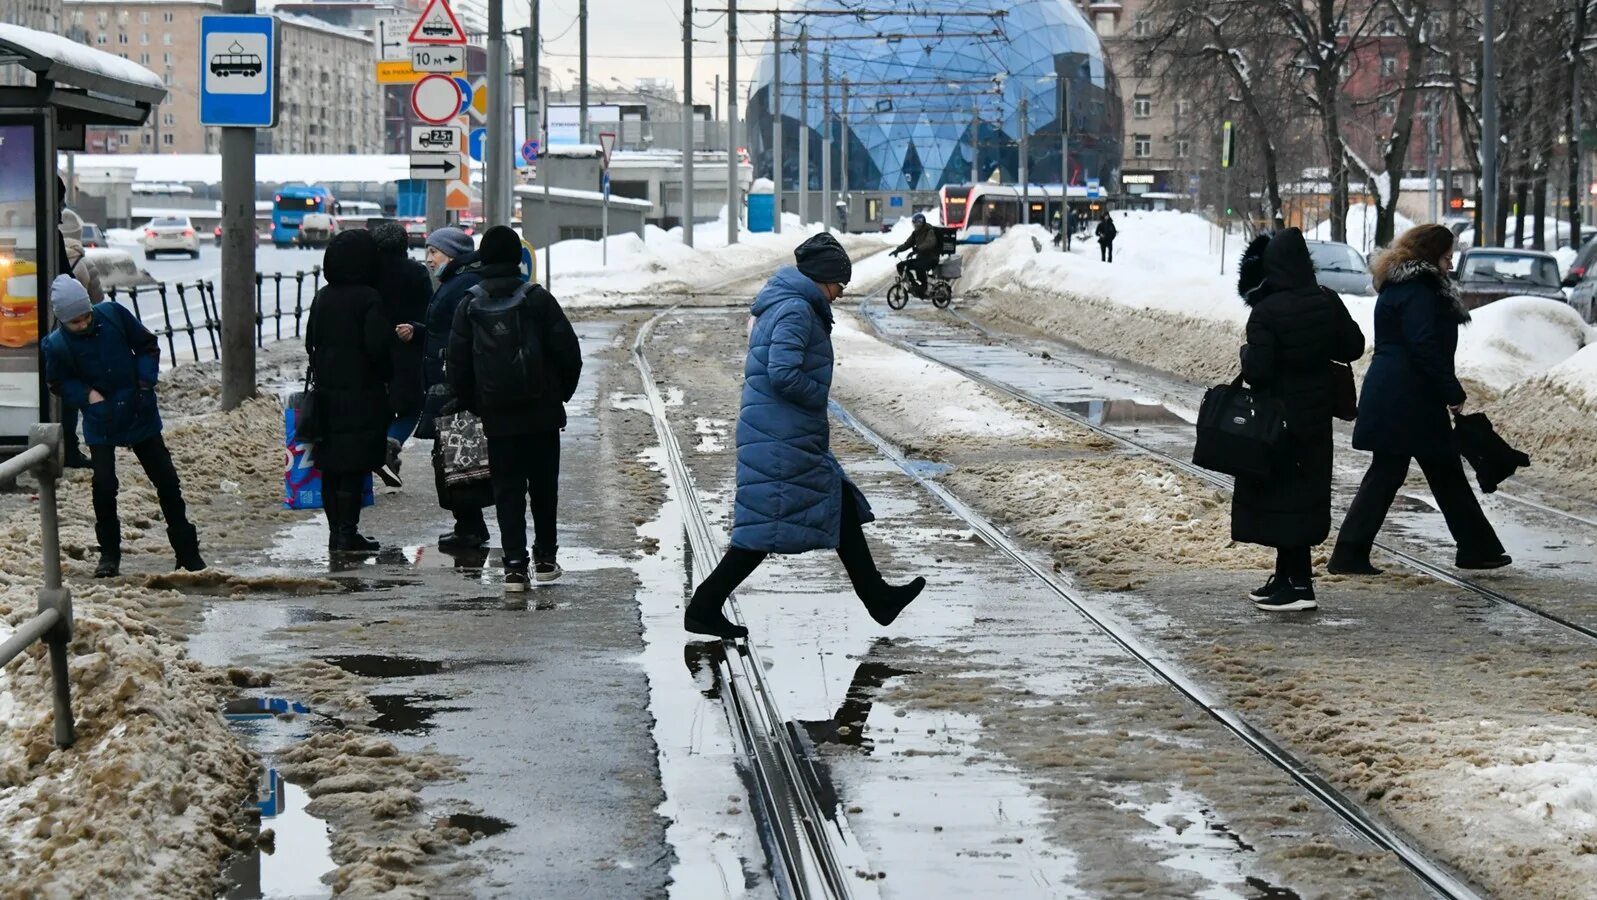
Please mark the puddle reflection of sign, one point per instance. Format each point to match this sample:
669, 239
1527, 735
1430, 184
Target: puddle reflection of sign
237, 75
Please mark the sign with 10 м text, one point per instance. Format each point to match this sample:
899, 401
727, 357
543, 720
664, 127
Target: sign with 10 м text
238, 71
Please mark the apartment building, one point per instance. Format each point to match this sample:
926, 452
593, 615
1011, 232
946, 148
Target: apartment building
328, 99
40, 15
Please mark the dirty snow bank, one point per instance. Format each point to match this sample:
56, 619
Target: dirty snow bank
150, 798
1553, 417
930, 409
1519, 338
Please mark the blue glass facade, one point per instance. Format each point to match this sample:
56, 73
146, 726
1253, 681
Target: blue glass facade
913, 100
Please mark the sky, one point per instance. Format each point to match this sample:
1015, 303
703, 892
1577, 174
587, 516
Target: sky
631, 39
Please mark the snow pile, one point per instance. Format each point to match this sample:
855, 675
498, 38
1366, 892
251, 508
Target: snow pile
1577, 376
1361, 228
1518, 338
929, 409
1553, 417
1551, 784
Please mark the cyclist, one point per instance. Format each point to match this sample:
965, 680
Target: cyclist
925, 249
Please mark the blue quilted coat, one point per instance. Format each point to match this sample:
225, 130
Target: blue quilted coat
790, 487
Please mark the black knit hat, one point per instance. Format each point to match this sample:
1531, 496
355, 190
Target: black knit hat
822, 259
500, 247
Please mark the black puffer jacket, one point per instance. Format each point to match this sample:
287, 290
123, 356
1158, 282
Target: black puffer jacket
1411, 381
406, 289
542, 322
350, 343
1295, 330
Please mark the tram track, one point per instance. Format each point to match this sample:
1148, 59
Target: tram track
1405, 557
811, 850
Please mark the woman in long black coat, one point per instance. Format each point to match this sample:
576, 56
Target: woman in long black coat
350, 344
1408, 392
405, 287
1295, 330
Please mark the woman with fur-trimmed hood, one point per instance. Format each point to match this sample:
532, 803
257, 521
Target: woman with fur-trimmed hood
1295, 330
1403, 412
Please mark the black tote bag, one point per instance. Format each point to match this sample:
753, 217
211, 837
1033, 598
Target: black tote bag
1239, 431
307, 405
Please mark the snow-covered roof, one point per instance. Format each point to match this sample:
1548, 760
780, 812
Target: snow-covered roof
82, 66
533, 192
576, 151
315, 24
206, 168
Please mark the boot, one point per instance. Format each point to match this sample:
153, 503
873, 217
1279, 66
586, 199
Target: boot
885, 601
470, 532
109, 534
186, 545
704, 616
1347, 559
110, 564
349, 514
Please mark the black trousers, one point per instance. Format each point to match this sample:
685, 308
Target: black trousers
1106, 251
69, 428
1472, 533
156, 460
1294, 562
524, 466
738, 564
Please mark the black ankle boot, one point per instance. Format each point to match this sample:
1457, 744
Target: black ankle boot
349, 515
704, 616
110, 564
885, 602
1347, 559
186, 546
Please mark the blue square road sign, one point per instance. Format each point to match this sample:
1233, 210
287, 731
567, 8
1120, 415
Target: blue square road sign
238, 71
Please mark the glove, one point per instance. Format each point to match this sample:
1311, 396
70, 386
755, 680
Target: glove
895, 253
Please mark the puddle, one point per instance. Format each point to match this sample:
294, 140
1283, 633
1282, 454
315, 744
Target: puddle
479, 826
248, 708
372, 665
407, 713
1123, 412
291, 864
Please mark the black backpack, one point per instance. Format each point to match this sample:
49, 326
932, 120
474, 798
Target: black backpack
508, 357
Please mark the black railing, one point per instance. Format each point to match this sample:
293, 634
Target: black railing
196, 313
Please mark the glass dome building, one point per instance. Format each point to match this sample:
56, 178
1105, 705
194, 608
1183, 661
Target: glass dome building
920, 84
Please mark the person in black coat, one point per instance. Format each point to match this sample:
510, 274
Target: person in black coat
350, 344
1295, 330
522, 411
406, 288
1106, 238
1403, 413
453, 258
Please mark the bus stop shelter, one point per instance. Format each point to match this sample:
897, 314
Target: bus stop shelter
72, 87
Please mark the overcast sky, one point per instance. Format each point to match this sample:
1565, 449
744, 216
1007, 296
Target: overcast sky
629, 39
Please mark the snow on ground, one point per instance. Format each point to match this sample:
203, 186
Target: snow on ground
1517, 338
938, 408
1360, 228
1578, 375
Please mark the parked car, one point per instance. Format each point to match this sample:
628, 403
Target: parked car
170, 234
1585, 260
117, 269
1489, 274
1340, 268
416, 232
92, 236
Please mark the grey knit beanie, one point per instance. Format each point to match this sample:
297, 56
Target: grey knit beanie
68, 298
451, 242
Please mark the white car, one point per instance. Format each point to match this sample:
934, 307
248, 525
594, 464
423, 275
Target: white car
170, 234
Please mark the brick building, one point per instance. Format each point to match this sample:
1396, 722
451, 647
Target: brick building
328, 102
40, 15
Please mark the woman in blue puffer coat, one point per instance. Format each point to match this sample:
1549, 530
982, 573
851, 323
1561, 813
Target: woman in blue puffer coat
792, 495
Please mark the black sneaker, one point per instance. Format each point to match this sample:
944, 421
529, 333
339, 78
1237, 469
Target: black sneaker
515, 580
389, 473
1289, 596
547, 572
1263, 593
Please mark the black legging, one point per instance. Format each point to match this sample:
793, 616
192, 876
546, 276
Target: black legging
1474, 535
1294, 562
738, 563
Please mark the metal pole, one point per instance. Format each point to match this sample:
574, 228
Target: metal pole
975, 146
689, 145
551, 231
1064, 159
53, 595
826, 141
843, 176
804, 126
1489, 128
238, 253
1430, 160
732, 194
498, 168
1577, 148
582, 71
776, 122
531, 54
604, 221
1025, 166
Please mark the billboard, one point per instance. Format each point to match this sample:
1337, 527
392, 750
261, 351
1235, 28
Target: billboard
23, 289
565, 118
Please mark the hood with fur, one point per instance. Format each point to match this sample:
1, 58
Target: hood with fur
1420, 270
1275, 262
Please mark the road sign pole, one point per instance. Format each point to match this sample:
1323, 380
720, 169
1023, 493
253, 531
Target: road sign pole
238, 252
775, 104
689, 145
826, 140
529, 96
499, 167
604, 221
732, 50
551, 229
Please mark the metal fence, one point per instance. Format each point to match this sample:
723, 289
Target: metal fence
190, 309
53, 623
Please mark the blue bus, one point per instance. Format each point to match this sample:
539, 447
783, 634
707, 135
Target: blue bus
289, 207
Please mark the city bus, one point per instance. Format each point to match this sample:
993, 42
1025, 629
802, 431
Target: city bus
289, 206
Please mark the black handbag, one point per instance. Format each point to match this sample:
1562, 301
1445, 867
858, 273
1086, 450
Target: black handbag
1344, 394
307, 406
1239, 431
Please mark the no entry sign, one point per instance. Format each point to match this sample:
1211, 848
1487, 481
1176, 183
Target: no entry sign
435, 99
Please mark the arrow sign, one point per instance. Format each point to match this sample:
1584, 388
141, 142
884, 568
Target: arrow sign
435, 166
438, 25
474, 143
437, 59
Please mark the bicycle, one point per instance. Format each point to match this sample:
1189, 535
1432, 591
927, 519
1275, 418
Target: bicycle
936, 288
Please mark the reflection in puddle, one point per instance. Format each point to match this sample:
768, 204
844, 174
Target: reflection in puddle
372, 665
246, 708
1123, 412
479, 826
406, 713
294, 849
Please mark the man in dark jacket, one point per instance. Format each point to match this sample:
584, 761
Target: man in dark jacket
453, 258
514, 361
1296, 328
925, 249
405, 287
1106, 238
102, 360
792, 495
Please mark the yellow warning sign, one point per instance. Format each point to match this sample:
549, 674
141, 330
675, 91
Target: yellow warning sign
399, 71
